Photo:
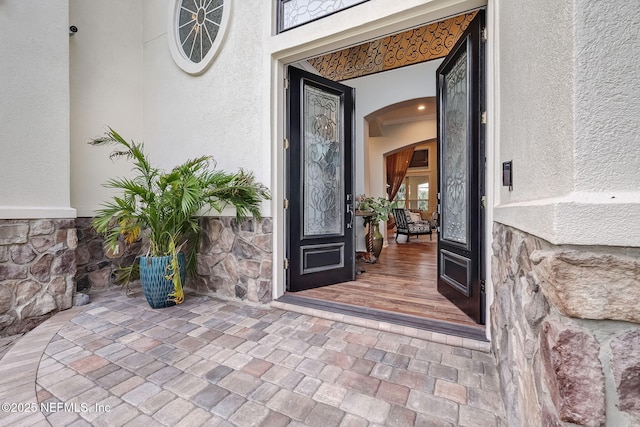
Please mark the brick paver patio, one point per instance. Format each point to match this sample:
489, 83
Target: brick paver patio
117, 362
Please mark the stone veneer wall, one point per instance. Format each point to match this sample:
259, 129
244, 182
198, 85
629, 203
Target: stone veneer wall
566, 331
95, 268
235, 260
37, 267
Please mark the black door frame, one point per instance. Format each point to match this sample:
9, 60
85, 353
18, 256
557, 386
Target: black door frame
358, 312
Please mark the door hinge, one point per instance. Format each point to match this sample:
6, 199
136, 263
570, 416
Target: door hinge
286, 84
286, 263
483, 287
483, 202
286, 143
483, 118
484, 34
286, 203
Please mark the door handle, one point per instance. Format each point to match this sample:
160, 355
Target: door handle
350, 213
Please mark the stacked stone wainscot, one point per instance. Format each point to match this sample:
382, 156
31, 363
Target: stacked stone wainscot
566, 331
37, 268
235, 259
96, 268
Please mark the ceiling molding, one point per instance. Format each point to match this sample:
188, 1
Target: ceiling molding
401, 113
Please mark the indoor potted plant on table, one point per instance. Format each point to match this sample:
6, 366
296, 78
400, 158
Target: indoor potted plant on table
378, 209
164, 206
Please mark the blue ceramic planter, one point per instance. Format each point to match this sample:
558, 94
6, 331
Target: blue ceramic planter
155, 286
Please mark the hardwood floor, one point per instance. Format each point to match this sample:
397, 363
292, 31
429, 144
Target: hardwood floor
401, 282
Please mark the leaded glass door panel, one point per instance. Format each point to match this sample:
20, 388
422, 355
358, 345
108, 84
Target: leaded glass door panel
461, 172
319, 162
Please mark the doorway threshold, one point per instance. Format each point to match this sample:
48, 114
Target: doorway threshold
417, 327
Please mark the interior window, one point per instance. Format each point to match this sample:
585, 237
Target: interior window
423, 196
401, 197
414, 193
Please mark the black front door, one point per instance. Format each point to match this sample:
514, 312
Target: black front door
461, 164
319, 182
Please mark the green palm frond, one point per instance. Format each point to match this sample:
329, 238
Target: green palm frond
166, 204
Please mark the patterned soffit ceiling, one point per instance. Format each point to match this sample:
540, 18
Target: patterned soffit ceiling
410, 47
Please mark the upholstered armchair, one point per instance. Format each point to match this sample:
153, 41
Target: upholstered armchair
406, 225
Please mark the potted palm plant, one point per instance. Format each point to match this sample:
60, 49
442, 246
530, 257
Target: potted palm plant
164, 207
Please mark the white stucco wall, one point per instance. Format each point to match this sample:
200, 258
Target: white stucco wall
123, 76
567, 88
536, 121
607, 96
220, 112
106, 90
34, 111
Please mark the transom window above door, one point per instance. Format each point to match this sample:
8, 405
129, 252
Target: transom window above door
293, 13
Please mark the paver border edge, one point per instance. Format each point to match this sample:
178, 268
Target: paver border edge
19, 370
436, 337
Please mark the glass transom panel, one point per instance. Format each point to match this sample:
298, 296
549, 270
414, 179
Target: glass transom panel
323, 166
455, 159
298, 12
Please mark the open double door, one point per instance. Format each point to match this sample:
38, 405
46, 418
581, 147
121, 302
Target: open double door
320, 168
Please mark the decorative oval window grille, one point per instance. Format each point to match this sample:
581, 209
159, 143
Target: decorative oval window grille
198, 28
